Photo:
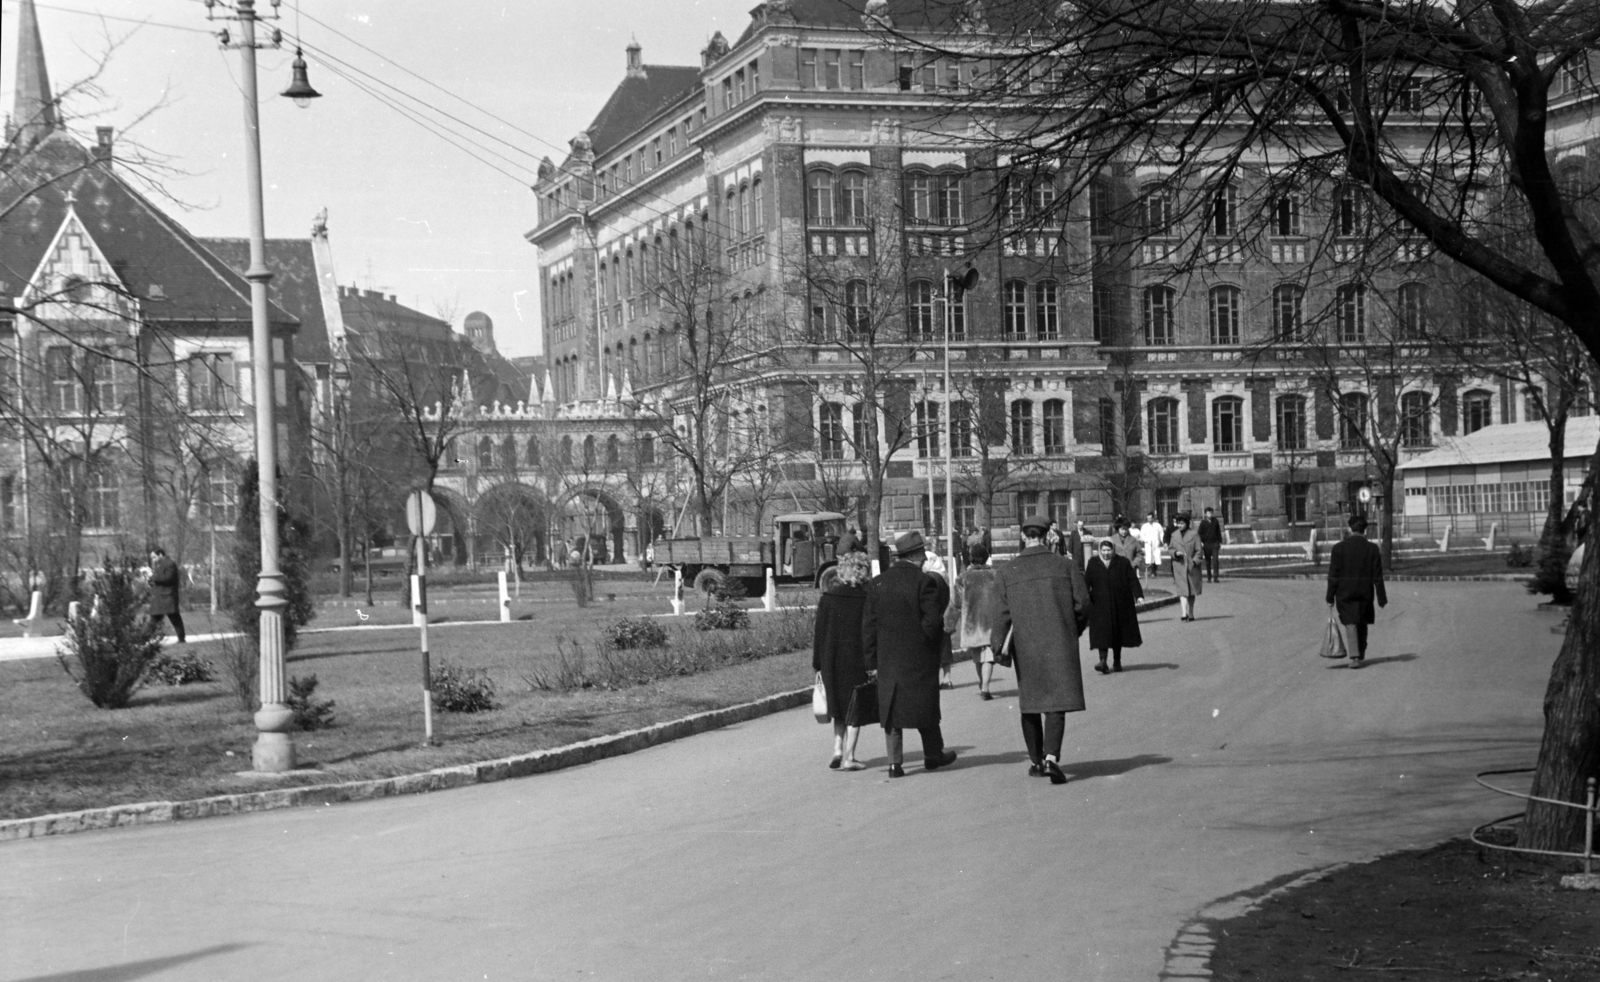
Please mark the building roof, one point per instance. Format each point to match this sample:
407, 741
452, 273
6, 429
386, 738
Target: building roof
1509, 443
293, 287
34, 106
373, 312
145, 247
638, 98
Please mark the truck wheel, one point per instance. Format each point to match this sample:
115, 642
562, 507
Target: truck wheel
708, 580
829, 577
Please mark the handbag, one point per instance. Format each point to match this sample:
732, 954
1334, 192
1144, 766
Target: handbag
1333, 639
863, 709
1002, 654
819, 701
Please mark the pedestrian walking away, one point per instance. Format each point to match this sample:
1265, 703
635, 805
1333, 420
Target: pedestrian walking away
1187, 574
1154, 536
968, 619
1211, 544
1042, 603
164, 591
1355, 580
837, 655
1114, 595
901, 636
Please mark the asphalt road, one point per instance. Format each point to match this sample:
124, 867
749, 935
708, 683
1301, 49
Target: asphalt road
1228, 755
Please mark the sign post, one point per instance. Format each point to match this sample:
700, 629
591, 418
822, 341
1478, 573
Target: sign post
421, 515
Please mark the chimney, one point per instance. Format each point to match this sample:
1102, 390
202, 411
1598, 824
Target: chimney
635, 66
103, 144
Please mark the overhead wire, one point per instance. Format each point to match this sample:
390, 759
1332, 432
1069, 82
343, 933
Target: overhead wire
129, 20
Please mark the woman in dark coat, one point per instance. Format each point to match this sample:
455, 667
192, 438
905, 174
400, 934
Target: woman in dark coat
1114, 591
836, 652
164, 581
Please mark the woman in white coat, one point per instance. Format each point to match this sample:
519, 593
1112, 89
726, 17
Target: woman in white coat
1154, 537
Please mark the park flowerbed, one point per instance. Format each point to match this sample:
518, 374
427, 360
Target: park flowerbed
553, 682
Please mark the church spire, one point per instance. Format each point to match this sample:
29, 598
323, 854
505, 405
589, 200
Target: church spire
34, 112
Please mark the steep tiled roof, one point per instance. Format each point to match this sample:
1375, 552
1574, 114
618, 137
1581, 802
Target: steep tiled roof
637, 99
144, 245
373, 312
1508, 443
293, 287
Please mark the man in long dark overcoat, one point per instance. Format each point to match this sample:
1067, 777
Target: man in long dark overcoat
901, 634
164, 582
1355, 580
1042, 600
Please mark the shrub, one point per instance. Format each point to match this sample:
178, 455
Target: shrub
292, 563
114, 643
310, 713
635, 632
1519, 556
461, 690
179, 670
725, 611
241, 663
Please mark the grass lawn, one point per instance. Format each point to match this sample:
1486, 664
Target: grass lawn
59, 753
1429, 564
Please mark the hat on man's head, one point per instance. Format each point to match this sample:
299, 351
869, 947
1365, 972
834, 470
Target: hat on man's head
1035, 522
909, 542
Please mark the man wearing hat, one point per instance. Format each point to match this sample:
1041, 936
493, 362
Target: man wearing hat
902, 628
1041, 602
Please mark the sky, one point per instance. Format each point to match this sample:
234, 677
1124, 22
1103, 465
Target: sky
408, 213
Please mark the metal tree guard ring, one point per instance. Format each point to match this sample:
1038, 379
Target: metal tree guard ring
1590, 810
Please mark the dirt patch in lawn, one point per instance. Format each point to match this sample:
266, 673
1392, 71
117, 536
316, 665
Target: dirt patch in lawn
1454, 912
58, 753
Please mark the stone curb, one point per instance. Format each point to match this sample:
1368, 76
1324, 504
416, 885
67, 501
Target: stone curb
461, 775
1402, 578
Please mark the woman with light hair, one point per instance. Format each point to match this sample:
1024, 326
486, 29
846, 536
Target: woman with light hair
836, 652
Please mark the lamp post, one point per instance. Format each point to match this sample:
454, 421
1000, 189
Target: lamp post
273, 752
955, 288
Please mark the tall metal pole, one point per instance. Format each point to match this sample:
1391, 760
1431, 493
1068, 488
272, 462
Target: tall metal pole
274, 750
950, 419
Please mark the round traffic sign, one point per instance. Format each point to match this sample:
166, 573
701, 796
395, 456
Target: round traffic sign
421, 513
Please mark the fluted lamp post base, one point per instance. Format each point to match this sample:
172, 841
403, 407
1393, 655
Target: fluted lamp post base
273, 752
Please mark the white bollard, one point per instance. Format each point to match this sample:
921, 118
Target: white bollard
1444, 543
1494, 535
30, 624
677, 592
769, 600
505, 600
875, 570
72, 612
418, 618
1311, 546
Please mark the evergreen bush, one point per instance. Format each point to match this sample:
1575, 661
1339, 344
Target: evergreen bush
310, 713
179, 670
113, 642
635, 632
292, 563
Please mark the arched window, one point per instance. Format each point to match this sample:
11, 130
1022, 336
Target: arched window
919, 309
928, 429
646, 445
1227, 424
1477, 411
1100, 207
628, 271
1416, 419
1288, 312
1291, 422
1224, 307
533, 451
589, 460
853, 198
961, 428
857, 312
1224, 217
1016, 310
1046, 311
830, 429
1352, 420
1044, 196
508, 453
1159, 304
566, 451
758, 214
1350, 309
1055, 427
1412, 312
485, 452
919, 199
633, 360
1156, 208
1163, 428
745, 225
645, 354
1022, 427
819, 197
613, 451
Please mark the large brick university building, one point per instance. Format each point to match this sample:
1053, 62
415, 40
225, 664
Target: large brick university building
820, 159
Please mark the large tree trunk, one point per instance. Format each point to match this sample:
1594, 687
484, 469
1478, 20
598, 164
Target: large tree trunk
1570, 752
1553, 552
1386, 487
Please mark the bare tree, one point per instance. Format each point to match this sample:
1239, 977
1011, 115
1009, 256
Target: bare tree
1445, 114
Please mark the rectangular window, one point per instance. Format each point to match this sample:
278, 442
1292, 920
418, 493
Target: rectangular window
855, 70
1297, 501
1108, 427
62, 379
755, 77
211, 382
904, 75
656, 144
928, 429
1224, 211
1055, 427
1286, 215
1100, 311
1232, 501
222, 497
950, 204
102, 371
808, 68
672, 142
919, 199
961, 429
727, 93
831, 75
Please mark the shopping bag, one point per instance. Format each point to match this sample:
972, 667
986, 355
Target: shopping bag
863, 709
1333, 638
819, 701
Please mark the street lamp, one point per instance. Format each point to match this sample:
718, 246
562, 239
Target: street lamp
955, 287
273, 752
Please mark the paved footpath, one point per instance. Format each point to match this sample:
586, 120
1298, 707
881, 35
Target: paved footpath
1229, 755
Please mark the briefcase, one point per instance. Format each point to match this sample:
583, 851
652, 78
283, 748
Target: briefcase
863, 709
